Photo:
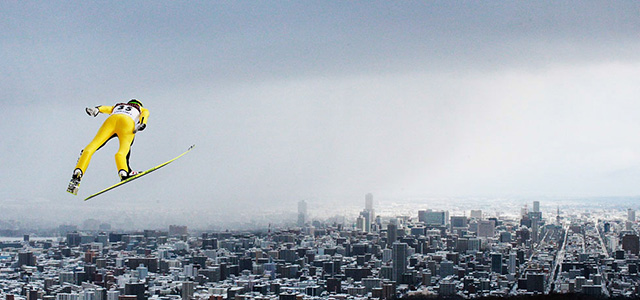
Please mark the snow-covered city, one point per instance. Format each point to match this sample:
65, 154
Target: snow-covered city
535, 249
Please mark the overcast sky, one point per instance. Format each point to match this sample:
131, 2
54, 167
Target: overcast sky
324, 100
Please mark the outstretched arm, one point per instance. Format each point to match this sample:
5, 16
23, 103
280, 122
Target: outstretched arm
94, 111
105, 109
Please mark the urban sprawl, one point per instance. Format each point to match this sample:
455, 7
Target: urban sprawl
430, 253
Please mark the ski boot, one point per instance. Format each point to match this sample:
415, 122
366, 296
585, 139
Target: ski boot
74, 184
124, 175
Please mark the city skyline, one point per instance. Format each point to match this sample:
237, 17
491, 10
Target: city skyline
586, 251
17, 218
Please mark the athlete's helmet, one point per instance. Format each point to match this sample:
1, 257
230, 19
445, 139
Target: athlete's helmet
135, 101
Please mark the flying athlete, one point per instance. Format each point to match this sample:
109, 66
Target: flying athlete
125, 119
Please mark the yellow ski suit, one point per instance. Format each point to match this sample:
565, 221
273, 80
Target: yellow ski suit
121, 123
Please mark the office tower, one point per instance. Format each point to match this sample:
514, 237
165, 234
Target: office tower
370, 283
505, 237
462, 245
476, 214
368, 212
66, 277
418, 231
392, 233
333, 285
486, 228
302, 213
422, 216
446, 268
368, 202
535, 283
447, 288
535, 230
188, 288
459, 222
426, 277
366, 220
429, 217
386, 272
631, 215
535, 215
135, 289
387, 255
631, 244
399, 262
189, 270
496, 263
536, 206
512, 262
473, 244
26, 259
360, 223
73, 239
103, 239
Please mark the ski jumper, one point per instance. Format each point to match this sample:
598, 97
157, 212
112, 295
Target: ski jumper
121, 123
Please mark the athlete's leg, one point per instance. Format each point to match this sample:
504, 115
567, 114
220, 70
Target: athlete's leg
122, 161
125, 136
105, 133
128, 155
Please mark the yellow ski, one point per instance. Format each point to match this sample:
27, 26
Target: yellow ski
132, 178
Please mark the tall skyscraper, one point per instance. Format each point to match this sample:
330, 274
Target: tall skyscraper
368, 202
368, 213
631, 244
302, 213
392, 233
512, 263
536, 206
399, 262
631, 215
496, 263
535, 230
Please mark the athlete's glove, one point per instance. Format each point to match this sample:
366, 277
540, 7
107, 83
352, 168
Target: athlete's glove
140, 127
92, 111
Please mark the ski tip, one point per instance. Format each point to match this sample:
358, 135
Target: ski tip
191, 147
